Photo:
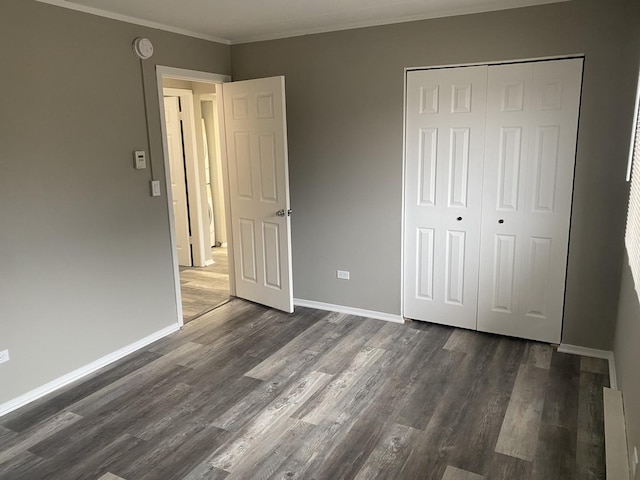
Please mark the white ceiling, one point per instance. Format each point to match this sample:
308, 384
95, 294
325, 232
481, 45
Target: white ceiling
241, 21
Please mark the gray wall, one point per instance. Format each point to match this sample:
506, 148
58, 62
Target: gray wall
344, 106
627, 355
85, 258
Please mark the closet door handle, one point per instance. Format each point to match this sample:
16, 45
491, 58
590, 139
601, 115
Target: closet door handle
459, 219
501, 221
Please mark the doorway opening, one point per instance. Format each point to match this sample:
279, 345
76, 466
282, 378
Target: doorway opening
196, 189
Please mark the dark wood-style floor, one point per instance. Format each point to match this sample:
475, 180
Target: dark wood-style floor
246, 392
204, 288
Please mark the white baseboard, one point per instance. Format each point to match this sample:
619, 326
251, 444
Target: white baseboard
60, 382
209, 262
387, 317
594, 353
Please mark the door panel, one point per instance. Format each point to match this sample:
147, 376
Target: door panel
444, 141
255, 120
532, 115
178, 183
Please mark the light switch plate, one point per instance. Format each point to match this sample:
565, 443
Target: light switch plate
155, 188
140, 159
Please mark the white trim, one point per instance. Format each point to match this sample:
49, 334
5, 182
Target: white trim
136, 21
387, 317
162, 72
402, 188
392, 21
84, 371
172, 220
496, 62
615, 435
594, 353
288, 34
191, 75
209, 262
226, 190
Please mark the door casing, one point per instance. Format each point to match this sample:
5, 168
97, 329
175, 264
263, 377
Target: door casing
164, 72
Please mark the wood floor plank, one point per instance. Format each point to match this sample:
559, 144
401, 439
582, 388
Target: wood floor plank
426, 387
504, 467
476, 437
561, 396
317, 409
141, 377
246, 408
387, 458
110, 476
95, 464
6, 435
519, 432
40, 410
594, 365
319, 339
337, 437
429, 454
274, 416
590, 454
335, 317
395, 337
453, 473
555, 455
267, 457
212, 402
215, 323
280, 334
349, 346
21, 466
37, 434
538, 354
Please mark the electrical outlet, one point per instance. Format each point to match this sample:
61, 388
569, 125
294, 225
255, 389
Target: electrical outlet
4, 356
342, 274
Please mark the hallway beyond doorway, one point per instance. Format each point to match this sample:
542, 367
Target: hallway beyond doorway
204, 288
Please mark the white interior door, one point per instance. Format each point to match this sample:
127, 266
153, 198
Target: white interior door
255, 128
445, 126
178, 183
532, 117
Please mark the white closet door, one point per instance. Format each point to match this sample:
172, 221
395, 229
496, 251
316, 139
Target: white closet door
178, 181
532, 117
445, 126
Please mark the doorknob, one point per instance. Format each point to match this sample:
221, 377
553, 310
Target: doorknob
459, 219
501, 221
282, 213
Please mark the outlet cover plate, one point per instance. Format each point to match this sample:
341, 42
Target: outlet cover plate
342, 274
4, 356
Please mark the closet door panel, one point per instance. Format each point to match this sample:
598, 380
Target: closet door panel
445, 115
528, 185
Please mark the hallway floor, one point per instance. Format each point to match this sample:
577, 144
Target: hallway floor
204, 288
